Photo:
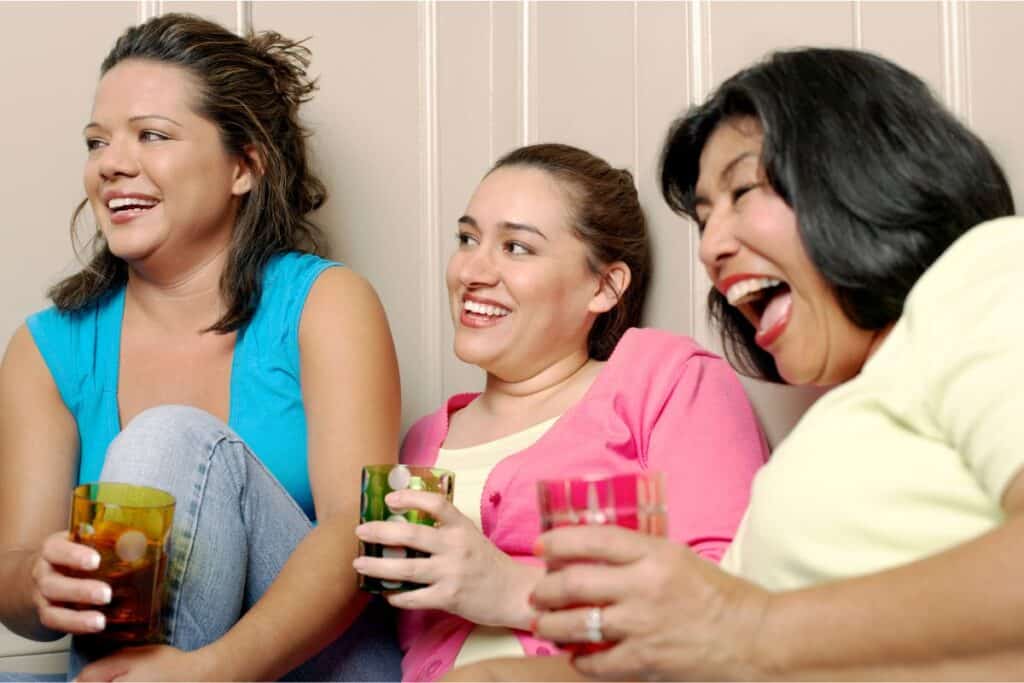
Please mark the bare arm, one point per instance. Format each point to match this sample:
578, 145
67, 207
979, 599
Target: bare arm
38, 459
352, 397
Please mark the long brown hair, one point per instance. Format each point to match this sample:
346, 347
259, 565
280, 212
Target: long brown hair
251, 89
606, 215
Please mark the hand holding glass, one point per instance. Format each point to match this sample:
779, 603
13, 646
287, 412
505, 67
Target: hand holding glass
634, 501
378, 482
129, 526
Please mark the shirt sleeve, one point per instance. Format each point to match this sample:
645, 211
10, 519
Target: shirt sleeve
708, 443
967, 319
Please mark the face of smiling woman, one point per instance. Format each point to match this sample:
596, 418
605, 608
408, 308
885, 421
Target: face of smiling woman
753, 253
521, 293
159, 181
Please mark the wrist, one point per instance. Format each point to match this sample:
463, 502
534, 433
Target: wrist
749, 610
519, 613
212, 663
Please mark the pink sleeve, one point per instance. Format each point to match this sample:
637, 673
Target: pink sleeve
421, 442
708, 443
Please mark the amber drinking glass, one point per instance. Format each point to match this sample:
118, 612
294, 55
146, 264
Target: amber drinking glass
129, 526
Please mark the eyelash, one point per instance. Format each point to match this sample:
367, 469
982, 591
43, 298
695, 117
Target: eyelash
145, 136
464, 239
735, 195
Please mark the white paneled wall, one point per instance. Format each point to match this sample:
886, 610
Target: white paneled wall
417, 99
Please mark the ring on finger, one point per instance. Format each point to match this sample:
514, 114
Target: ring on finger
593, 625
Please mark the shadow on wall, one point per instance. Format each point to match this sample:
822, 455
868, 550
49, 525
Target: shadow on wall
779, 407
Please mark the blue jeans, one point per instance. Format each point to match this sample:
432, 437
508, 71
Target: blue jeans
234, 528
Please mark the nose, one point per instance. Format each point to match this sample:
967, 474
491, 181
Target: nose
477, 267
718, 243
117, 158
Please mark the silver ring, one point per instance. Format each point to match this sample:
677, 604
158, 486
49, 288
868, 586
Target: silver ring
593, 624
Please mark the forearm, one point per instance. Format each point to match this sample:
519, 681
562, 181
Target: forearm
17, 610
938, 618
312, 601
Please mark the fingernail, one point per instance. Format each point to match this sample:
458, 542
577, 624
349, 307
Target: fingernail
533, 625
538, 548
530, 600
103, 595
357, 563
361, 530
98, 622
92, 561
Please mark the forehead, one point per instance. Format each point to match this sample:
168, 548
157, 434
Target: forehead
521, 194
139, 87
730, 140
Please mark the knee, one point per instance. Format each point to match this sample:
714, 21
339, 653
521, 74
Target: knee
162, 437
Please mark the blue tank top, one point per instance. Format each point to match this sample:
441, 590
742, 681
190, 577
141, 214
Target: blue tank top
82, 351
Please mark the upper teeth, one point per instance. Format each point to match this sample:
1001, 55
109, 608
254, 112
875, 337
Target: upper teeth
484, 309
739, 291
120, 202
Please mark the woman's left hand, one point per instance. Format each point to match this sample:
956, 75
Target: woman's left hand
670, 614
465, 573
148, 663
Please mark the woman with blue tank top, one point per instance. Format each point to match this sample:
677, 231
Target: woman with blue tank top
207, 351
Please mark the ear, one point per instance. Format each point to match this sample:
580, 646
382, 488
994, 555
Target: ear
248, 171
614, 280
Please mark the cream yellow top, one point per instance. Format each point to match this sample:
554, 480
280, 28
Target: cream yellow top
472, 466
913, 455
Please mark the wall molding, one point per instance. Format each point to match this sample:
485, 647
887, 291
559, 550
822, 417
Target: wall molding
431, 296
954, 58
243, 17
147, 9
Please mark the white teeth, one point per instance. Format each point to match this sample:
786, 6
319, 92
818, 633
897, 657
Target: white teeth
739, 291
484, 309
136, 202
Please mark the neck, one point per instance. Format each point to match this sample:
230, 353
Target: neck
502, 396
877, 340
187, 298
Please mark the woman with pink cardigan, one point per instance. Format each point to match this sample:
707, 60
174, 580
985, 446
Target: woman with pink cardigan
545, 290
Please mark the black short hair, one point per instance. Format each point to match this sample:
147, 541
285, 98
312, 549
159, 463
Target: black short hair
881, 176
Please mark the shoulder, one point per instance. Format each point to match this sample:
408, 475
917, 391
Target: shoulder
645, 350
983, 254
428, 433
340, 292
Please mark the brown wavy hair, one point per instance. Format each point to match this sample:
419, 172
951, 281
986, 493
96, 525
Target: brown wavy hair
606, 215
251, 89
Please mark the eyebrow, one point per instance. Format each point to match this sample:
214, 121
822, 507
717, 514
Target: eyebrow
701, 200
506, 225
93, 124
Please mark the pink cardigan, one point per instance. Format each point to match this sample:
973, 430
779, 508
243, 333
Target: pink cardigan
661, 403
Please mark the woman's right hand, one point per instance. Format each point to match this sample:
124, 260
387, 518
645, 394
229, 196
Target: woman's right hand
61, 600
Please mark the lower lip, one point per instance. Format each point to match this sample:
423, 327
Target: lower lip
768, 337
122, 217
468, 319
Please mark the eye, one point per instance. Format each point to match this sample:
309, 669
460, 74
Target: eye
152, 136
738, 193
93, 143
465, 239
517, 249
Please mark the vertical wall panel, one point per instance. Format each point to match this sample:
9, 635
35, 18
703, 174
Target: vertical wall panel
995, 83
910, 34
224, 12
367, 143
662, 88
743, 32
584, 84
